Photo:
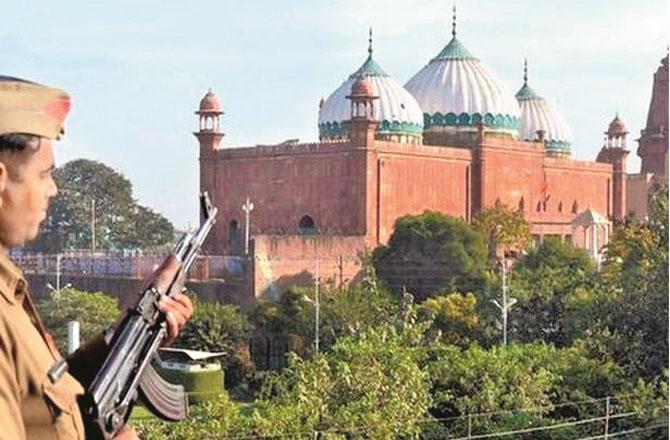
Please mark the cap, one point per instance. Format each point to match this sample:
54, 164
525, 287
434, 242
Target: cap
30, 108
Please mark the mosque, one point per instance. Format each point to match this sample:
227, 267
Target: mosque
453, 139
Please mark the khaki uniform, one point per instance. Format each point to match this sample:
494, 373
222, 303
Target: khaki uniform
31, 407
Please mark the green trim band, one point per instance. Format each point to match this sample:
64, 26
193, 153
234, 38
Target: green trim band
559, 148
471, 120
338, 129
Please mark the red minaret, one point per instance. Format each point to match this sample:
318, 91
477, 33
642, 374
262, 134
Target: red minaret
614, 152
209, 136
653, 149
362, 125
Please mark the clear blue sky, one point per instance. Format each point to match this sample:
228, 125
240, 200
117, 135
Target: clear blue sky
137, 69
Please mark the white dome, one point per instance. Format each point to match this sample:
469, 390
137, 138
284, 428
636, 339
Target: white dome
456, 89
396, 109
538, 114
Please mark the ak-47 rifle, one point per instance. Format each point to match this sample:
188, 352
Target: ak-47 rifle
126, 373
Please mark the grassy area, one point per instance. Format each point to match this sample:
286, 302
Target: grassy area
140, 413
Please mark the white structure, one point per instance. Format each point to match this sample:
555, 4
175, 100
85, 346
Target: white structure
596, 229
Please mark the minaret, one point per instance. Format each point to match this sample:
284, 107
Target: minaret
614, 152
363, 124
653, 149
209, 136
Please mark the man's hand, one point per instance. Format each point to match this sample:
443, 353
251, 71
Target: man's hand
127, 433
177, 307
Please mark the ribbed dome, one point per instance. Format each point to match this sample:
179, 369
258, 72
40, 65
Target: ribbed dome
400, 117
538, 114
456, 89
210, 102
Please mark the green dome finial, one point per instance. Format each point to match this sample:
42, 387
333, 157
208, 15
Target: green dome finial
526, 92
525, 71
453, 21
370, 43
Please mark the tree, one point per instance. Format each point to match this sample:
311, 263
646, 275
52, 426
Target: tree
454, 316
544, 282
369, 386
90, 192
432, 253
503, 229
220, 328
93, 310
636, 275
518, 386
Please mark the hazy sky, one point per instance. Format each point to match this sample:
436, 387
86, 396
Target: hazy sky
137, 69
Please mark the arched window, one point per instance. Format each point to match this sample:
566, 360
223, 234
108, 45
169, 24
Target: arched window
306, 225
575, 207
521, 205
560, 206
233, 233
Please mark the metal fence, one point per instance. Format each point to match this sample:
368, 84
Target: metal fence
124, 265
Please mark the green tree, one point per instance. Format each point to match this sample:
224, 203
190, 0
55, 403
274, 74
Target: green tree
636, 276
432, 253
94, 311
88, 188
518, 386
503, 229
217, 418
370, 386
454, 316
544, 282
220, 328
342, 312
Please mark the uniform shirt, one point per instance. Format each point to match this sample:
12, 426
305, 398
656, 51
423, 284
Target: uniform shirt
31, 406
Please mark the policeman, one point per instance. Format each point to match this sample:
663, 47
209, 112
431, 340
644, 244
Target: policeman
33, 406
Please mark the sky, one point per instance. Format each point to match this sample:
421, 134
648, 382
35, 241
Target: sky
136, 69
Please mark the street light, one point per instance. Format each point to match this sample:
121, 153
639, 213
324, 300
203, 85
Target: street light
247, 208
317, 307
507, 303
55, 290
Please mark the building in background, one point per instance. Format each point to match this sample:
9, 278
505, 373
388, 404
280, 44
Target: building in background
454, 139
652, 149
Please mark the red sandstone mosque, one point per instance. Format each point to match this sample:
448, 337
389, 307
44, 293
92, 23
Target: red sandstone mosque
453, 139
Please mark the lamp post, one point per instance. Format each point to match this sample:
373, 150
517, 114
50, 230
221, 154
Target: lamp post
247, 208
316, 308
93, 225
507, 303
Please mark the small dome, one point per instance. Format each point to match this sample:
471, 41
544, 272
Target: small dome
363, 87
616, 128
456, 90
538, 114
210, 102
399, 115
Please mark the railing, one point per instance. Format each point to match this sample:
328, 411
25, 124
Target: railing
123, 265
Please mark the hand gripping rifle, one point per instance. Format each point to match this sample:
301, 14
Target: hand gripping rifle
126, 373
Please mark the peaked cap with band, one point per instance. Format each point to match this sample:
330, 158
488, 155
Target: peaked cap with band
30, 108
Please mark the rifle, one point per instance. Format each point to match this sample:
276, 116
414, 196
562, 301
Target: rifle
127, 373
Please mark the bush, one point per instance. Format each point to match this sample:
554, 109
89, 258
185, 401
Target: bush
93, 310
221, 328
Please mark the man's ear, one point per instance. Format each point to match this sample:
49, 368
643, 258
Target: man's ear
3, 181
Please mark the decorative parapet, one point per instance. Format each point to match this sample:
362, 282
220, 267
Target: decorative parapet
285, 149
339, 130
497, 121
